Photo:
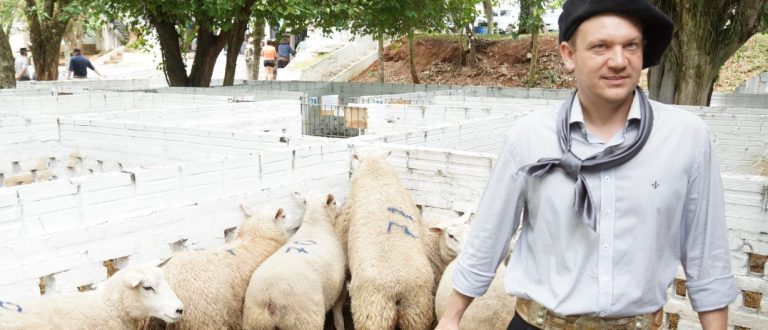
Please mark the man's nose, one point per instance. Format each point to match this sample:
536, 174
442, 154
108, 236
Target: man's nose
618, 58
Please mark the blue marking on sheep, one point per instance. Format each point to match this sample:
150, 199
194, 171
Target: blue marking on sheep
406, 230
395, 210
305, 242
298, 250
10, 306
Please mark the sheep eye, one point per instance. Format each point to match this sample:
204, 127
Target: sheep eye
451, 236
149, 288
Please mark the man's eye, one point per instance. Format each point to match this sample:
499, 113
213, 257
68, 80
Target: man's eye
633, 46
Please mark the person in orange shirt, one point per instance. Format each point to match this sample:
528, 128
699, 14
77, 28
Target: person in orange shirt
269, 54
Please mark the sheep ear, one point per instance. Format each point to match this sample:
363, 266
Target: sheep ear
437, 229
133, 278
440, 226
162, 263
331, 200
300, 197
280, 214
247, 209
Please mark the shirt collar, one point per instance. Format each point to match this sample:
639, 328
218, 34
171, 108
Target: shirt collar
577, 115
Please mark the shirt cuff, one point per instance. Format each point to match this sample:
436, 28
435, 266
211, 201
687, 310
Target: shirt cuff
712, 294
471, 283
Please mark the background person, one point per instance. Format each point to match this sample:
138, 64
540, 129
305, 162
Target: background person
21, 65
79, 65
269, 56
284, 52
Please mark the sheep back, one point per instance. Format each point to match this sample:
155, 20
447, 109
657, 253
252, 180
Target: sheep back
212, 284
392, 279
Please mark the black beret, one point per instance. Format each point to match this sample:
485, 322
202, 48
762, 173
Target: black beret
657, 27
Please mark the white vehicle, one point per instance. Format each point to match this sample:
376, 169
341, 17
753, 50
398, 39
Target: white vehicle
550, 18
505, 17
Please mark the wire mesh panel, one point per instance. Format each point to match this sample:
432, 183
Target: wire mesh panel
333, 120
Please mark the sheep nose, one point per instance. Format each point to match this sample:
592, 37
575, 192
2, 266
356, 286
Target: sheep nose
179, 311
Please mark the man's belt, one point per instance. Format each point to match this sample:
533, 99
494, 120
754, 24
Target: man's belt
540, 317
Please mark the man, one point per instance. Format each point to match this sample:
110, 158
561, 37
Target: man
79, 65
22, 66
614, 190
284, 52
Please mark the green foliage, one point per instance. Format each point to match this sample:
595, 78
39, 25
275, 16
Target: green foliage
555, 4
461, 13
388, 18
10, 10
530, 15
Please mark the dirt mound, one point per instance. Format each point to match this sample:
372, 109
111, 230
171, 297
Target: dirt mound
500, 63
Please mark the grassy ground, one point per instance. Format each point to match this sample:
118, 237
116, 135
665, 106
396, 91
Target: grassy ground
750, 60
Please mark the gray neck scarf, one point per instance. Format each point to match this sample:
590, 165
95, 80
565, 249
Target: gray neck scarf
574, 166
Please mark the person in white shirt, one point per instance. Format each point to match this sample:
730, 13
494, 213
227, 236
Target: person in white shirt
22, 66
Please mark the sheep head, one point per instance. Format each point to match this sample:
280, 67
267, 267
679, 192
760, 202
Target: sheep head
453, 234
321, 207
149, 295
263, 223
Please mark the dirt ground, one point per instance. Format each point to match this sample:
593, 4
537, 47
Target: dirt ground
501, 63
505, 63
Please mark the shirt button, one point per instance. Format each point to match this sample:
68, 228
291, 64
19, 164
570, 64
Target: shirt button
607, 211
607, 178
605, 246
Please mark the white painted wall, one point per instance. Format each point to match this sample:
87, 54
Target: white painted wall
135, 175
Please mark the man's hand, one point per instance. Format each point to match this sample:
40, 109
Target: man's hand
454, 309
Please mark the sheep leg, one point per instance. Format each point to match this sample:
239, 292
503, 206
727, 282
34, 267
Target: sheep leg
338, 315
415, 312
373, 311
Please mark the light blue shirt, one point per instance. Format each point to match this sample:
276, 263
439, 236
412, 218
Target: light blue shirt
663, 207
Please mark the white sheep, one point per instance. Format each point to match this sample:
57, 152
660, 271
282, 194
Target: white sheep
493, 310
443, 243
120, 302
212, 283
295, 287
393, 257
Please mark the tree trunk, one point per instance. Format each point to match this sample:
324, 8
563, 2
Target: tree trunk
258, 36
381, 59
463, 48
411, 62
690, 67
73, 36
472, 56
173, 64
7, 69
533, 71
488, 9
209, 47
235, 41
46, 33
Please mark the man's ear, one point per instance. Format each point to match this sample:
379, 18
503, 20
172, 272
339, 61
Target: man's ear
567, 52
